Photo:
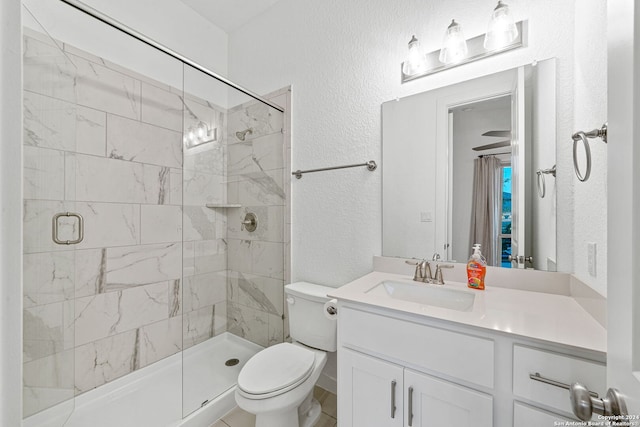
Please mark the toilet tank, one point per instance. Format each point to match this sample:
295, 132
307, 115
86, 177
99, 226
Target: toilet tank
307, 322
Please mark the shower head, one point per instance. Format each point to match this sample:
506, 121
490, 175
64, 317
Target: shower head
243, 134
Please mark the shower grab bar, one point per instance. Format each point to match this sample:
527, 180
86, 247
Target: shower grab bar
371, 165
542, 188
583, 136
144, 39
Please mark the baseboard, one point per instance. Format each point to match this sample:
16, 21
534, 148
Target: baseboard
328, 383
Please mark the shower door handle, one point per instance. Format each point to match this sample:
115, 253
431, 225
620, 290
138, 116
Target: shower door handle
56, 228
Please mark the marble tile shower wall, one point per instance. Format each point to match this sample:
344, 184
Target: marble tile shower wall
149, 278
257, 260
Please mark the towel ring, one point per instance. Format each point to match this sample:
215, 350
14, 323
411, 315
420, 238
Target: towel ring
542, 188
582, 136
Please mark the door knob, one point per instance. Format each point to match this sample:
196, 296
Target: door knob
584, 405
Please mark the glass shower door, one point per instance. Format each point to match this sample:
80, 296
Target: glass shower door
52, 225
233, 228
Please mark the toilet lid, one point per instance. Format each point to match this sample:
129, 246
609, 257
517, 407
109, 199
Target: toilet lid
282, 366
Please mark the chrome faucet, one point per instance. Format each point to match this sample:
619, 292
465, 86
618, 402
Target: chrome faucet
423, 272
439, 280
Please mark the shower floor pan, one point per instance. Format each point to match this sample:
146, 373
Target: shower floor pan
155, 396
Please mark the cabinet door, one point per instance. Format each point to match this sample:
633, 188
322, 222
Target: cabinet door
370, 391
527, 416
434, 402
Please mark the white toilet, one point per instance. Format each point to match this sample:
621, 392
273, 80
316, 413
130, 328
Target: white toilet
277, 383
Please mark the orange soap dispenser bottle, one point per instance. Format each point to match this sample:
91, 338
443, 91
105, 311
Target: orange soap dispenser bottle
476, 269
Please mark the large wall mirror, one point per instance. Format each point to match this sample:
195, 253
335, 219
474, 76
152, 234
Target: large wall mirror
472, 163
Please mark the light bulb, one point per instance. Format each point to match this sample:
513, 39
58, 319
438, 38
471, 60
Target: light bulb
201, 131
502, 30
415, 62
454, 46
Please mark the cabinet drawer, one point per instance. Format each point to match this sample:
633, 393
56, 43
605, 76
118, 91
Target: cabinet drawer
450, 353
527, 416
558, 367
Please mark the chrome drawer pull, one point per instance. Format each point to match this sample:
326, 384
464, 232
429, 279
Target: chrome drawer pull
56, 228
538, 377
393, 399
410, 406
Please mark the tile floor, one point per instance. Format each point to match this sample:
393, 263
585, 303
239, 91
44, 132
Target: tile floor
239, 418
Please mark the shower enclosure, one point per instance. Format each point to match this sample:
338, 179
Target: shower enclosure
154, 229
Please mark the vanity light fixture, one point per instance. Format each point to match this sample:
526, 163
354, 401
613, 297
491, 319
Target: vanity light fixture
199, 134
502, 35
454, 45
502, 29
415, 62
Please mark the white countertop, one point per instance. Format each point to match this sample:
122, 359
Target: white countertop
538, 315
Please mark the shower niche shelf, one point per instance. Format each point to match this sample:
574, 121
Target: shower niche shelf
222, 205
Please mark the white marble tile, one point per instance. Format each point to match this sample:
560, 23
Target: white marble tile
276, 329
47, 71
103, 315
109, 224
106, 90
261, 188
36, 218
61, 125
240, 159
268, 151
159, 340
160, 224
43, 173
161, 107
210, 256
239, 255
261, 154
204, 290
202, 188
140, 142
204, 323
98, 179
199, 223
200, 110
175, 187
267, 259
156, 184
54, 371
175, 298
208, 158
188, 259
258, 292
262, 119
48, 277
102, 361
43, 330
90, 272
139, 265
248, 323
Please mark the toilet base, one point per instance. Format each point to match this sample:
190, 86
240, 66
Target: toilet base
304, 415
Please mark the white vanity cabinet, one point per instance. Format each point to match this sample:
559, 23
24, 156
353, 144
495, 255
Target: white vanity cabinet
438, 373
380, 393
373, 389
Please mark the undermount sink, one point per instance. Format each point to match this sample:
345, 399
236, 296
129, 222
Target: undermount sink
431, 295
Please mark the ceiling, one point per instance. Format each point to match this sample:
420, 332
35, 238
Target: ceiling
229, 14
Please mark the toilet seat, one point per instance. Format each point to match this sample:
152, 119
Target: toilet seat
275, 370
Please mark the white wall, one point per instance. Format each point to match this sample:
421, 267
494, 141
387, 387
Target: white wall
590, 112
343, 60
10, 215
